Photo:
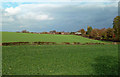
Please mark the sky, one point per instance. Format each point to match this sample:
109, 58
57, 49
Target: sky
59, 16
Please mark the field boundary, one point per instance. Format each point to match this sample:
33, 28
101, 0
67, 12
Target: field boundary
52, 43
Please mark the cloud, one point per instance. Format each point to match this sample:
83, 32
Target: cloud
9, 19
30, 12
60, 0
6, 19
12, 11
22, 26
95, 0
60, 17
34, 16
43, 17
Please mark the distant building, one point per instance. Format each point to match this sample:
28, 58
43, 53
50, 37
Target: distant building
62, 33
78, 33
65, 33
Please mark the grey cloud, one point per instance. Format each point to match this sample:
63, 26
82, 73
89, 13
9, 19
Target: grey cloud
66, 18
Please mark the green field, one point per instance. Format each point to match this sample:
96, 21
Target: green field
0, 60
60, 59
57, 59
28, 37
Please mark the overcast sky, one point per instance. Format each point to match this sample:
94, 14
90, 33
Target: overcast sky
60, 16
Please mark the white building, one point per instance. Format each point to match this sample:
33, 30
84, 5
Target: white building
78, 33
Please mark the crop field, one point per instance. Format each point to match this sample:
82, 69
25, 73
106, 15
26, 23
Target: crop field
59, 59
28, 37
0, 60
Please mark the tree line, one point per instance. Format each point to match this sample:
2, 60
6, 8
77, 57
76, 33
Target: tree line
110, 34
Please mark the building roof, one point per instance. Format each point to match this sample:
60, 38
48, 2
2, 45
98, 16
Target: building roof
78, 33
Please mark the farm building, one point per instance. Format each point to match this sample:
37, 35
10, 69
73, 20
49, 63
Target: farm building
65, 33
78, 33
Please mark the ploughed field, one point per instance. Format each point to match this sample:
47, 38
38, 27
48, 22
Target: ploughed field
59, 59
28, 37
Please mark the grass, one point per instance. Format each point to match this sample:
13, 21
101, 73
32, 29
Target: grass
0, 60
57, 59
27, 37
60, 59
